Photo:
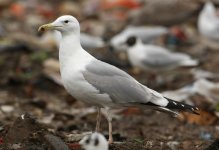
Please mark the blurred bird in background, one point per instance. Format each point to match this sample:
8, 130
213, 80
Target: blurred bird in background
88, 42
208, 21
155, 58
146, 34
95, 141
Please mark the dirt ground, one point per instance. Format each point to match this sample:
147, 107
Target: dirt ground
55, 113
36, 112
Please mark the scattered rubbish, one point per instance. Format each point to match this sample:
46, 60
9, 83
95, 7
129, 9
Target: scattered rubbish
205, 118
205, 135
7, 108
76, 137
173, 145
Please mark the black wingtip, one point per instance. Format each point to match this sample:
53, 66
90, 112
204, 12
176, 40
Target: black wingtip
182, 106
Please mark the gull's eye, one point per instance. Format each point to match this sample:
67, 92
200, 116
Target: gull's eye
66, 21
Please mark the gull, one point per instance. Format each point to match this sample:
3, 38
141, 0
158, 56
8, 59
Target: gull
208, 22
155, 58
100, 84
203, 74
95, 141
201, 87
146, 34
91, 42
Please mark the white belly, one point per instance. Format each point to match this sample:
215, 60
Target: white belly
136, 59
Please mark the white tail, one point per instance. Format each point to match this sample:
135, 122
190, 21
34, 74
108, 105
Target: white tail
189, 63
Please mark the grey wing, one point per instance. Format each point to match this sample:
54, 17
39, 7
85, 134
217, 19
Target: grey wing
121, 87
163, 59
160, 61
151, 33
215, 31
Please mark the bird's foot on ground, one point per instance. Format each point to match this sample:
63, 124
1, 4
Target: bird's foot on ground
110, 141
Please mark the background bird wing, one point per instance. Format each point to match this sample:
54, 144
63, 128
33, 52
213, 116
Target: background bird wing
162, 58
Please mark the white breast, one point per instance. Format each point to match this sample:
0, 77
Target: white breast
136, 56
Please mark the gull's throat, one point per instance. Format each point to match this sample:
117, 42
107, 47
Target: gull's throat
69, 47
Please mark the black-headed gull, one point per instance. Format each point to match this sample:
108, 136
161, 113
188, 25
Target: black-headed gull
155, 58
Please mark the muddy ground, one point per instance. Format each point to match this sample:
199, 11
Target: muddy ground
36, 112
55, 114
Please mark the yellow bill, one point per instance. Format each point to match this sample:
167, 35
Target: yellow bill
45, 27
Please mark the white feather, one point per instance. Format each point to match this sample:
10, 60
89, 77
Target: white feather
208, 22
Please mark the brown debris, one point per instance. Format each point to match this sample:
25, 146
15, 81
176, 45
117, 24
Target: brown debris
205, 118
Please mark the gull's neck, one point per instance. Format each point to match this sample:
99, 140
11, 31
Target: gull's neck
138, 43
71, 49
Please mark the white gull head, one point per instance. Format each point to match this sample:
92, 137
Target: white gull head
66, 24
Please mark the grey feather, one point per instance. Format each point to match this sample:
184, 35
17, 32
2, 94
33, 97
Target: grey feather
120, 86
163, 59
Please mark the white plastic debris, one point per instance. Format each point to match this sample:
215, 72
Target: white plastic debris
7, 108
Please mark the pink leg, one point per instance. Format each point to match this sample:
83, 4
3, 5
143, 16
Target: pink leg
98, 119
108, 116
110, 133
